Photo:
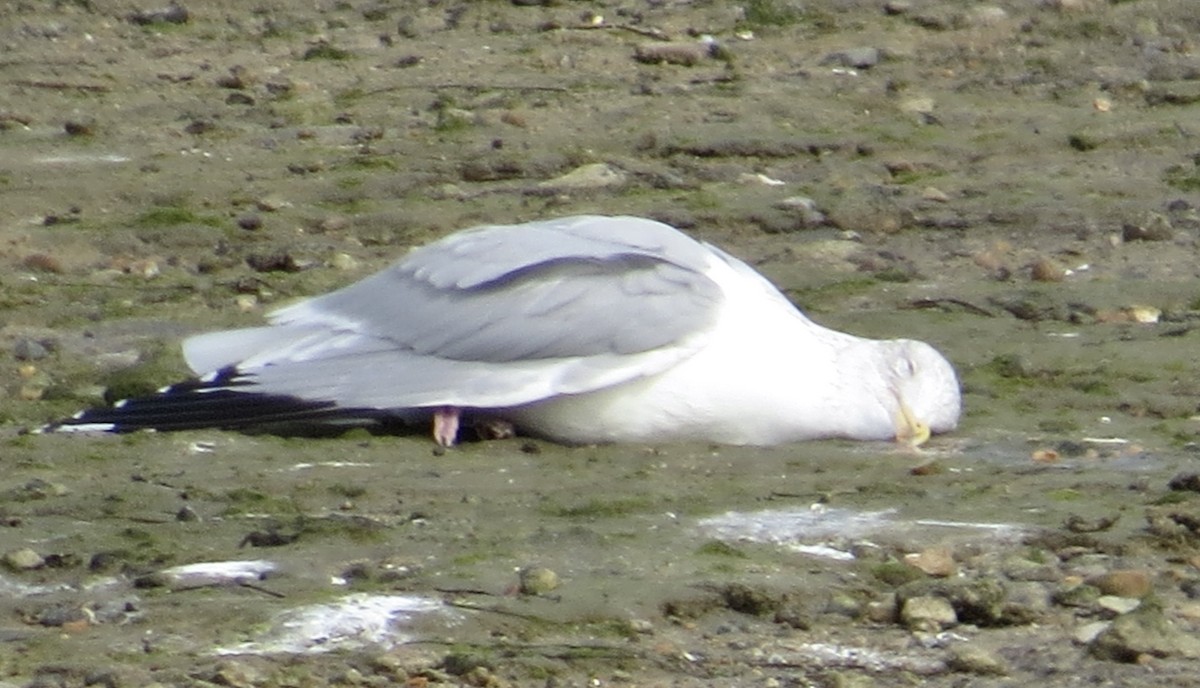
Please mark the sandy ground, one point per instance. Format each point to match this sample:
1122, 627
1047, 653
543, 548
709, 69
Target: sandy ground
1015, 182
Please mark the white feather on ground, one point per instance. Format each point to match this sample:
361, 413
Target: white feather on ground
579, 329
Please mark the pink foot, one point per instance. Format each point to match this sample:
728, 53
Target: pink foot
445, 426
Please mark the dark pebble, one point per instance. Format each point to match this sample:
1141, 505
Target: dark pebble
1185, 482
272, 262
250, 221
1152, 231
59, 614
172, 14
82, 127
239, 98
29, 350
200, 126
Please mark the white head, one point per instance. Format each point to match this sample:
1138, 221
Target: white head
925, 385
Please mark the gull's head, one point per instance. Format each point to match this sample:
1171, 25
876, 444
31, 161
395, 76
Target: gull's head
926, 389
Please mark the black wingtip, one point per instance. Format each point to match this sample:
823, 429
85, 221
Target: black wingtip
224, 400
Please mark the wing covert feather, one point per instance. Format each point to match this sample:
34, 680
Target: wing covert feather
572, 287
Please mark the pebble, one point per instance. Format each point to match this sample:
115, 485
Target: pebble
973, 659
932, 193
979, 601
927, 614
1185, 482
42, 262
1145, 632
270, 204
805, 207
536, 580
593, 176
237, 674
934, 561
1124, 583
24, 559
250, 221
29, 350
1088, 632
171, 14
857, 58
344, 261
85, 126
69, 615
882, 610
684, 54
1047, 270
1118, 605
1156, 228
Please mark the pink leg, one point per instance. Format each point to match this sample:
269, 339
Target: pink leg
445, 425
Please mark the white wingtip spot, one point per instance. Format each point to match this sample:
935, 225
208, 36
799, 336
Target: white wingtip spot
87, 427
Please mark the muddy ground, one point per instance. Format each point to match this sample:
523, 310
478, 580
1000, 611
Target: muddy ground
1016, 182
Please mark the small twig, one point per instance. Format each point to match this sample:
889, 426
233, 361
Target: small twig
657, 34
465, 591
942, 302
469, 87
497, 610
266, 591
62, 86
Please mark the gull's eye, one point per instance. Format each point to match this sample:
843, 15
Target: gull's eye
904, 368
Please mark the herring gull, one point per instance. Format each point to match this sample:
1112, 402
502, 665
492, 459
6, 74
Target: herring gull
582, 329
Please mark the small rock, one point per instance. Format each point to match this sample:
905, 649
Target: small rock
1047, 270
85, 126
343, 261
882, 610
237, 674
857, 58
988, 15
536, 580
972, 659
1027, 602
927, 614
272, 262
42, 262
1185, 482
29, 350
1143, 632
1124, 583
64, 615
749, 600
920, 105
978, 601
250, 221
932, 193
270, 204
171, 14
200, 126
1157, 228
1076, 596
805, 207
23, 559
1118, 605
236, 79
641, 626
594, 176
684, 54
934, 561
1088, 632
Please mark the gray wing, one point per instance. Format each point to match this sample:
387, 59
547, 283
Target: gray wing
497, 315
